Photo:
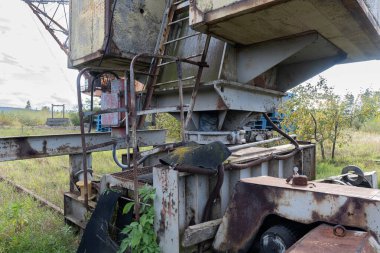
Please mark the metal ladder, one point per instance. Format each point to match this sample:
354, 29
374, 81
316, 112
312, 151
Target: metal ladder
172, 11
170, 19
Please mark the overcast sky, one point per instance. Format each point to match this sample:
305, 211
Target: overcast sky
33, 67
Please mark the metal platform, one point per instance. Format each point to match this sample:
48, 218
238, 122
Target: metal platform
352, 25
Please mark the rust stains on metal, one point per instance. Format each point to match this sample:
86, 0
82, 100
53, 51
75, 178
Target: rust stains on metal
239, 217
24, 149
262, 196
220, 104
323, 239
300, 180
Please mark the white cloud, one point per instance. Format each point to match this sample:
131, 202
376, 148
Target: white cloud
33, 67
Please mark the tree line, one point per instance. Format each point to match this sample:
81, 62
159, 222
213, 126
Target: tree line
317, 113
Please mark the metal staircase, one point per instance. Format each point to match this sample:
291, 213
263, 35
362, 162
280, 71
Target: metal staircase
175, 15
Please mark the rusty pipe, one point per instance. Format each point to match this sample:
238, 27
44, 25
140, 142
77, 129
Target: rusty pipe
277, 129
83, 137
96, 77
286, 156
127, 137
242, 166
253, 144
180, 89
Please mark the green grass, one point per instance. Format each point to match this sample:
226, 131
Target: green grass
49, 177
24, 118
26, 227
41, 230
35, 130
372, 126
363, 151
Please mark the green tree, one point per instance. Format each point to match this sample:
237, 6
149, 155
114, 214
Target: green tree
318, 114
45, 108
28, 105
362, 108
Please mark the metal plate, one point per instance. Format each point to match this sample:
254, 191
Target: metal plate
323, 239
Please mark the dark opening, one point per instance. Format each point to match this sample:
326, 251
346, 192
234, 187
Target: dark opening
142, 11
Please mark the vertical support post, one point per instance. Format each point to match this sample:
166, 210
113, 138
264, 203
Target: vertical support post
133, 113
76, 165
264, 168
63, 111
52, 111
246, 173
225, 192
169, 207
83, 137
197, 192
127, 110
280, 168
180, 90
197, 82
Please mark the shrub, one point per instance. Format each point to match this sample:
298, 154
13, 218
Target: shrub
167, 121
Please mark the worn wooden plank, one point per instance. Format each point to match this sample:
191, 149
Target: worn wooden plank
200, 232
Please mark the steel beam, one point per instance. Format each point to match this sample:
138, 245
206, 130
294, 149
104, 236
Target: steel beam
27, 147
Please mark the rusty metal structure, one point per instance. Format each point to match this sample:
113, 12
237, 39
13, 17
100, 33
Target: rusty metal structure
215, 66
53, 15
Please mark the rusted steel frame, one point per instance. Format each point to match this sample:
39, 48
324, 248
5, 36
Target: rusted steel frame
30, 147
52, 18
83, 137
179, 21
159, 49
197, 82
48, 28
127, 136
39, 11
101, 145
184, 59
133, 112
112, 110
182, 38
36, 197
277, 129
180, 91
162, 148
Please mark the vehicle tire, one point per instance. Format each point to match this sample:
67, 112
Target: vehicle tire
356, 170
277, 239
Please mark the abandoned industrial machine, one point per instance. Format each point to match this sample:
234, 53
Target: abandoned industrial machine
214, 66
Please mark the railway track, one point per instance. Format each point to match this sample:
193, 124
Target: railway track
44, 202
